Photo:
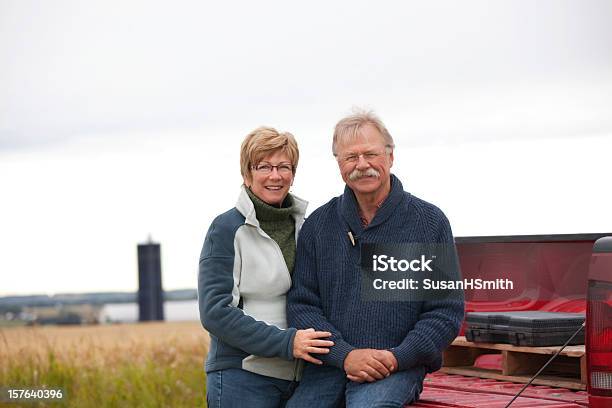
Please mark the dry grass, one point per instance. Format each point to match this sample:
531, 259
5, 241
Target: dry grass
151, 364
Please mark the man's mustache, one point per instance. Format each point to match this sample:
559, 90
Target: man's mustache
357, 174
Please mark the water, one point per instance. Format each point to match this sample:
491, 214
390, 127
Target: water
179, 310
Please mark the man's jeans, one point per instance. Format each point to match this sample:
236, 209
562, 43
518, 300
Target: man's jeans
238, 388
325, 386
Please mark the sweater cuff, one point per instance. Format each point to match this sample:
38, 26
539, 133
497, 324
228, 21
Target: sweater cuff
289, 351
406, 357
337, 353
413, 352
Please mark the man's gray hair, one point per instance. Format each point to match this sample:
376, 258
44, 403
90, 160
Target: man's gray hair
348, 128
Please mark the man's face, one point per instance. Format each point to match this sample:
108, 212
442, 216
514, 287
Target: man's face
364, 163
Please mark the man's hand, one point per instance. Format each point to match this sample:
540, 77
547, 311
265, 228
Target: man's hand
369, 365
309, 341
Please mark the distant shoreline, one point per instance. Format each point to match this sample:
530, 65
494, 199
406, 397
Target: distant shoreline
94, 298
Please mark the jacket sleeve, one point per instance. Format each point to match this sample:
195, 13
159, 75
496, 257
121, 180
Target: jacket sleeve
216, 290
440, 319
304, 309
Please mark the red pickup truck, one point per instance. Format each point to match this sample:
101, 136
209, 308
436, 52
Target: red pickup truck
554, 273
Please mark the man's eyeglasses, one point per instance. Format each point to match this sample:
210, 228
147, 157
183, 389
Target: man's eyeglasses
354, 157
266, 168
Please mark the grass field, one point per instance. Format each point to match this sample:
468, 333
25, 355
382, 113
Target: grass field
127, 365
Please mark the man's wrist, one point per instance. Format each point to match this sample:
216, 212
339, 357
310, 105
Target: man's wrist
338, 353
405, 358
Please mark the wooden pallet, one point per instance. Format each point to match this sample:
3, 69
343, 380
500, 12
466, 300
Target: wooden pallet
568, 370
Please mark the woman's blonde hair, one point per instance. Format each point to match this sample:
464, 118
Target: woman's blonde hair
262, 142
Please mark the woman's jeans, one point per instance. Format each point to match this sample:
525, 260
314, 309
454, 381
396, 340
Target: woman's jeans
234, 387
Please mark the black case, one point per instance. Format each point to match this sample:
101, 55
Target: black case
529, 328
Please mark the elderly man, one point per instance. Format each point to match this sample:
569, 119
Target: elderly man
382, 349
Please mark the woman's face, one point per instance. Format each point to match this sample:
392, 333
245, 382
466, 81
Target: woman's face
272, 185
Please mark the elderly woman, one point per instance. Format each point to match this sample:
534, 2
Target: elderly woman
245, 273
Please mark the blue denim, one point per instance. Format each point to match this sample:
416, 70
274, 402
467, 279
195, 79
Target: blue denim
237, 388
328, 386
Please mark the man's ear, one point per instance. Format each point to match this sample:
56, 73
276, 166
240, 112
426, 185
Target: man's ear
391, 159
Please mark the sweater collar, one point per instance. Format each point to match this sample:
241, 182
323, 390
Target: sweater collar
349, 208
245, 207
266, 212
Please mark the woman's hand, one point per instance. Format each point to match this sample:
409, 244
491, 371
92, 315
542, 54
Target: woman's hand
309, 341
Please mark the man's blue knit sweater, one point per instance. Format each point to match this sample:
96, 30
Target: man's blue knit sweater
327, 282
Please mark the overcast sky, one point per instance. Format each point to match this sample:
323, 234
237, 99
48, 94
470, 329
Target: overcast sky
120, 119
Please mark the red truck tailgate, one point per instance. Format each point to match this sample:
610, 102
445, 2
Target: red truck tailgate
443, 390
